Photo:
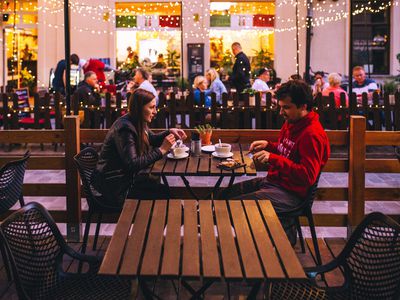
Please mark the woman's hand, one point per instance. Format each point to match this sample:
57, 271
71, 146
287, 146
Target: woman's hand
167, 143
178, 133
257, 146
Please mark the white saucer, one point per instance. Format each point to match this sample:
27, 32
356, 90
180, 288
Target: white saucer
208, 148
230, 154
171, 156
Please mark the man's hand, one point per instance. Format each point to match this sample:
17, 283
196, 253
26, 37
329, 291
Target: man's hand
169, 140
261, 156
178, 133
258, 146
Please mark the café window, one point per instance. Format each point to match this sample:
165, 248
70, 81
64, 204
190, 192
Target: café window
251, 24
371, 36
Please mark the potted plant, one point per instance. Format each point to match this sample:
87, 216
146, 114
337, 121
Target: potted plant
390, 88
226, 63
28, 80
173, 62
205, 132
252, 95
262, 59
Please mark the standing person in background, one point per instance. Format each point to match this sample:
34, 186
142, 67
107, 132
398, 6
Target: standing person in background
216, 85
240, 77
335, 80
260, 84
59, 80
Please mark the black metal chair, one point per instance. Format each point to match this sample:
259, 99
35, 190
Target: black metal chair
11, 181
370, 262
305, 210
36, 250
86, 161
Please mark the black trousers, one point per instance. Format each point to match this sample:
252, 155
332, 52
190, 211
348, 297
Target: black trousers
148, 187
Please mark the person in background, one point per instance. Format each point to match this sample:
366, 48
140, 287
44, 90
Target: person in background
362, 84
294, 161
87, 89
200, 86
295, 77
59, 80
240, 77
128, 150
260, 84
216, 85
142, 79
319, 83
335, 80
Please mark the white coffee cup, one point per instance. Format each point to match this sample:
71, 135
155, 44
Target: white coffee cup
178, 151
222, 149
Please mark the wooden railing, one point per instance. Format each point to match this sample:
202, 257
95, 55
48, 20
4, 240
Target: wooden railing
357, 138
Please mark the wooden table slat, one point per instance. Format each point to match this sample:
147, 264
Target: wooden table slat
192, 166
204, 164
248, 253
249, 162
181, 165
135, 244
210, 259
191, 255
169, 166
152, 253
288, 256
213, 166
158, 166
229, 253
269, 258
237, 156
171, 256
110, 265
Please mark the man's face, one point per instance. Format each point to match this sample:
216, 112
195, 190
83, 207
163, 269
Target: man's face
290, 111
265, 77
138, 78
235, 50
319, 77
359, 76
92, 80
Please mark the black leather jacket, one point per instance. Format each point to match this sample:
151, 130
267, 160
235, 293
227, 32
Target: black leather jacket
119, 161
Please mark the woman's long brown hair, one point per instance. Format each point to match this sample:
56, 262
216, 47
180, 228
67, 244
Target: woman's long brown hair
137, 101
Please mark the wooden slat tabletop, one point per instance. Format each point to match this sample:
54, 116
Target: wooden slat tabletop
184, 239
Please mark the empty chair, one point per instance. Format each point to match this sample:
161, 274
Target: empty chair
11, 181
304, 210
86, 162
370, 262
36, 250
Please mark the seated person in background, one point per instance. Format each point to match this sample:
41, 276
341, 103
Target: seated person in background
319, 83
294, 161
260, 84
129, 149
200, 86
361, 84
335, 80
216, 84
142, 78
160, 64
87, 90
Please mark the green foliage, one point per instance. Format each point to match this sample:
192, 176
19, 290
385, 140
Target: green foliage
173, 58
28, 80
202, 129
182, 83
262, 59
249, 91
391, 87
227, 62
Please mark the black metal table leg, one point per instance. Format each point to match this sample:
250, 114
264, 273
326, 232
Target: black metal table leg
147, 293
254, 290
197, 294
186, 182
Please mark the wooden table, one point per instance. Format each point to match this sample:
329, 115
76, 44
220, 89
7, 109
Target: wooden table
204, 165
208, 241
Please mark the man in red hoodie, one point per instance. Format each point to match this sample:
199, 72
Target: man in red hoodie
294, 161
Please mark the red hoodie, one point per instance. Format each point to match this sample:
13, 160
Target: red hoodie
299, 155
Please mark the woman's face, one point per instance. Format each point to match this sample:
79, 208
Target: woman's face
208, 76
149, 111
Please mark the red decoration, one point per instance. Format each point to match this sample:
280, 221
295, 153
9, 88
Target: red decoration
263, 20
170, 21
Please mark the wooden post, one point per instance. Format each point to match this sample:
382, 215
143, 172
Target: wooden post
356, 204
73, 182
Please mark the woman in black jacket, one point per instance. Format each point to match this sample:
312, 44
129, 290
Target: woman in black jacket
129, 149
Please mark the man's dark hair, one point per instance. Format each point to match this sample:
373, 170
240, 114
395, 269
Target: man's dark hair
74, 59
322, 73
299, 92
295, 77
88, 74
144, 73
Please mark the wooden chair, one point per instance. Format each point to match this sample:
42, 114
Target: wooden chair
36, 250
370, 262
